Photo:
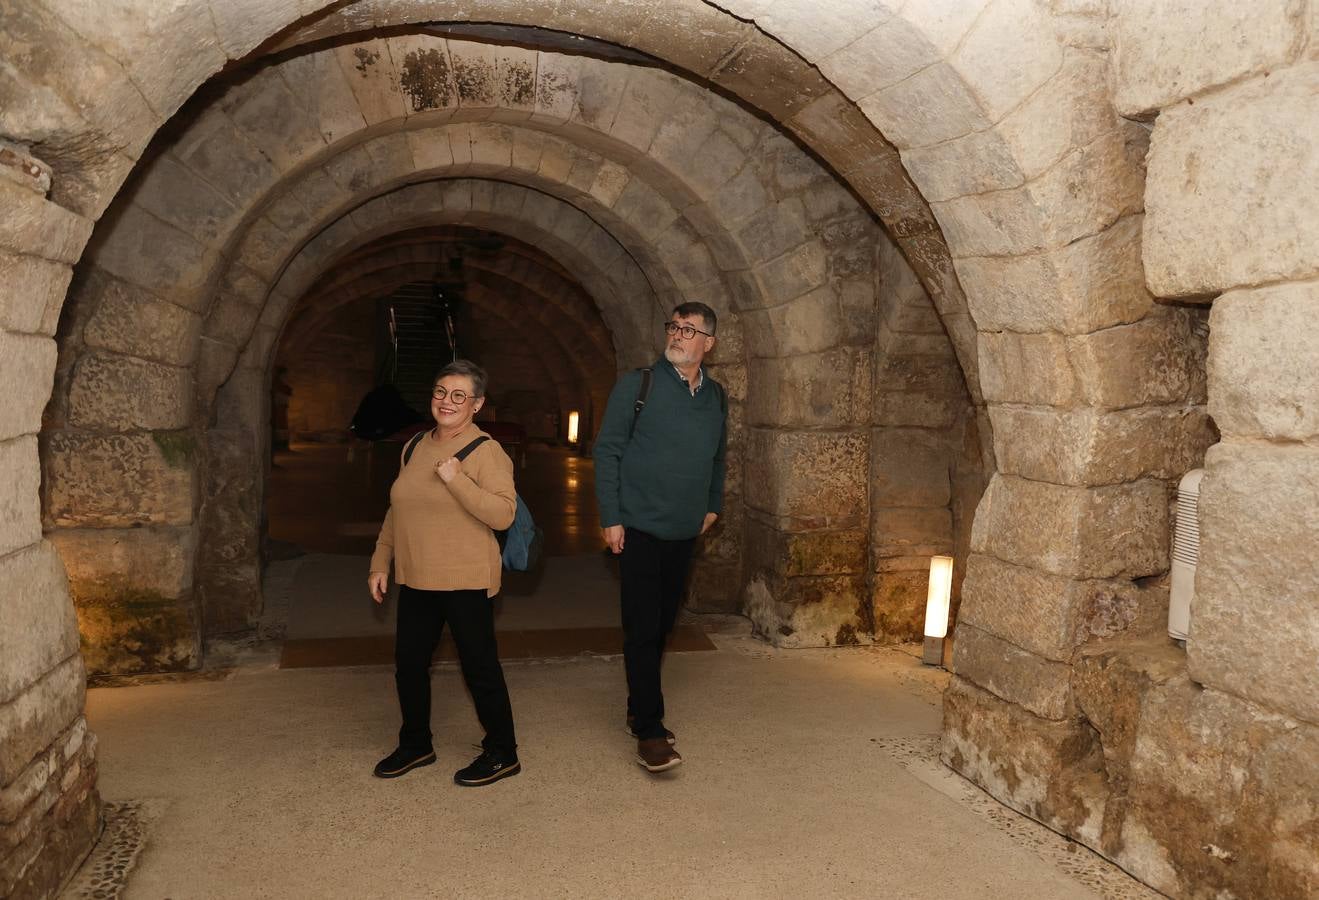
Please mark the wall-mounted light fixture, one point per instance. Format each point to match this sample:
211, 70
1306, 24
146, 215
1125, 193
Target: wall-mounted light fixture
936, 609
573, 418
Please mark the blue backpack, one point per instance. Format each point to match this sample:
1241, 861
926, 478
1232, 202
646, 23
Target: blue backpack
519, 543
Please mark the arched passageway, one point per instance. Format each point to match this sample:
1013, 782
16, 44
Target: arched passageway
928, 228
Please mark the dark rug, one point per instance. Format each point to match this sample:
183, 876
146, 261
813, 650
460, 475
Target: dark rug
376, 650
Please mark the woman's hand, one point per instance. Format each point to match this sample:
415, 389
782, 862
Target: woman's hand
449, 469
377, 583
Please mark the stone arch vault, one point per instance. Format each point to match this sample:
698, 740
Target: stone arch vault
954, 213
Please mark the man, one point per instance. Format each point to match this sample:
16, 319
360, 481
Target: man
659, 480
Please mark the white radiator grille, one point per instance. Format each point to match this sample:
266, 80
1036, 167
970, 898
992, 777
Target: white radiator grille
1186, 537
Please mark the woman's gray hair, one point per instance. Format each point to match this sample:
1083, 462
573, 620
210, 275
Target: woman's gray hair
468, 368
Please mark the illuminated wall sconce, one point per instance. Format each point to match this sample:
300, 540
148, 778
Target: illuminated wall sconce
936, 609
574, 418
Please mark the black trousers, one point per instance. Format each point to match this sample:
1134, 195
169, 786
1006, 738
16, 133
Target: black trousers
653, 572
471, 619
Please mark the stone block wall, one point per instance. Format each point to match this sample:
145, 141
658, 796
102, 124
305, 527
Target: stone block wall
49, 807
1194, 769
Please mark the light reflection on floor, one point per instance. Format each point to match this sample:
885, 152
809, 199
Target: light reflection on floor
324, 498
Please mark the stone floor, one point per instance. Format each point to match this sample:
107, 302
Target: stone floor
809, 773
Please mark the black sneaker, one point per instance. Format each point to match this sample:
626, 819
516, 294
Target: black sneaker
630, 728
487, 768
401, 761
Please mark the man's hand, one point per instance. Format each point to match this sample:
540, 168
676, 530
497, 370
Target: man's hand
449, 469
377, 583
709, 520
614, 537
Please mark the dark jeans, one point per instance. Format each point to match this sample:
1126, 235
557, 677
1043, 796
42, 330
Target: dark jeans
653, 572
471, 618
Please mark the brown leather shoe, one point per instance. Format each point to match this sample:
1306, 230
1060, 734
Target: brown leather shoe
631, 729
656, 755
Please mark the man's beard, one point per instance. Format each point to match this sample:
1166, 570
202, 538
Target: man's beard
676, 356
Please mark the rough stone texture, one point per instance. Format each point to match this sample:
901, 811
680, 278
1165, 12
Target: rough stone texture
123, 393
1222, 799
40, 629
1094, 283
911, 531
1257, 585
1075, 531
1050, 770
1264, 363
897, 604
909, 467
20, 507
1158, 360
806, 553
1085, 447
1168, 50
812, 611
130, 321
1037, 684
32, 720
1051, 615
50, 816
25, 382
1231, 164
32, 287
120, 479
810, 477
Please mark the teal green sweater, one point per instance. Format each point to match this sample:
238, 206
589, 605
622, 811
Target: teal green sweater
671, 473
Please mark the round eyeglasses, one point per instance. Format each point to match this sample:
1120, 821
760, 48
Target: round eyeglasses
457, 398
687, 331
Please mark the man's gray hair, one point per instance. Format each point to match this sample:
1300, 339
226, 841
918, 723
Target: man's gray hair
471, 370
697, 308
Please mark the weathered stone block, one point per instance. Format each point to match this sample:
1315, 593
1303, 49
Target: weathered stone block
714, 587
931, 106
1264, 363
33, 225
897, 602
119, 479
829, 388
1168, 50
805, 553
1085, 447
1050, 770
1094, 283
32, 287
31, 721
1222, 798
1018, 676
1227, 166
40, 630
909, 467
175, 194
124, 393
25, 382
911, 531
1051, 615
20, 504
143, 250
813, 611
1104, 532
132, 321
1255, 617
816, 478
1157, 360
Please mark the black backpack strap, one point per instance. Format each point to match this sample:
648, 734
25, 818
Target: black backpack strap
640, 404
467, 451
412, 445
723, 397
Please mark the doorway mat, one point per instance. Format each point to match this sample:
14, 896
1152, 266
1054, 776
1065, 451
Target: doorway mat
551, 643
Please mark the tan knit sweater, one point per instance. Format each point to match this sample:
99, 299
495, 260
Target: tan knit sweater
439, 535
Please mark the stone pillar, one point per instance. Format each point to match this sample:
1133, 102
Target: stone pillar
49, 807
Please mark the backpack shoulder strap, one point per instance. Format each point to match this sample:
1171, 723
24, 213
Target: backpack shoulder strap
723, 397
467, 451
640, 403
411, 445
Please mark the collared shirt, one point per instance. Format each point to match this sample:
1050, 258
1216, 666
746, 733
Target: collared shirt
700, 379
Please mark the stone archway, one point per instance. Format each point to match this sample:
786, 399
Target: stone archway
994, 113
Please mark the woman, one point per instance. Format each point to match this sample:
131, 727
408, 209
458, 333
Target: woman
446, 561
